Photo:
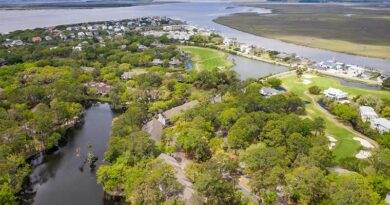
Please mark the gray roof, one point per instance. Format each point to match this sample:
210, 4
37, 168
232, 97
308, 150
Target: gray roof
188, 191
155, 129
176, 110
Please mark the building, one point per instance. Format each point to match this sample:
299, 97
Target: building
157, 62
335, 94
101, 88
188, 191
268, 92
155, 129
367, 113
387, 200
48, 38
174, 62
169, 114
245, 48
230, 41
36, 39
130, 74
381, 124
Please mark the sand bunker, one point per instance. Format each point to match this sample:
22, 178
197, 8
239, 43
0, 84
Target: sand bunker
363, 154
364, 142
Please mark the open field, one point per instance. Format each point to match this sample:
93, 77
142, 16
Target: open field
346, 146
350, 29
206, 58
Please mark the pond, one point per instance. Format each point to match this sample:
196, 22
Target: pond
356, 84
60, 178
250, 68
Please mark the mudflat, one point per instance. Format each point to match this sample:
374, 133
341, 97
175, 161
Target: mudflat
360, 29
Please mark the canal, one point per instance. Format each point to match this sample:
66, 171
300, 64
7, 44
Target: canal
62, 178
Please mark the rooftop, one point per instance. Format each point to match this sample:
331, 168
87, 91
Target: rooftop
155, 129
176, 110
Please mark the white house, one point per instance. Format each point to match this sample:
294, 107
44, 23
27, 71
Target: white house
381, 124
230, 41
245, 48
367, 113
335, 94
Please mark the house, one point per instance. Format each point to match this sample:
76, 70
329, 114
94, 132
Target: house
102, 88
367, 113
174, 62
169, 114
157, 62
230, 41
381, 124
130, 74
216, 99
48, 38
188, 190
245, 48
36, 39
335, 94
77, 48
283, 55
142, 47
155, 129
89, 34
81, 34
268, 92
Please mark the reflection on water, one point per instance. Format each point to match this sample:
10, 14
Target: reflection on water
57, 178
356, 84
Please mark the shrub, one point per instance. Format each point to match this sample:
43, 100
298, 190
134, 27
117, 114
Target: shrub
314, 90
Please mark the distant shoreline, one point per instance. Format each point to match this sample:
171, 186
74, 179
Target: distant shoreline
74, 5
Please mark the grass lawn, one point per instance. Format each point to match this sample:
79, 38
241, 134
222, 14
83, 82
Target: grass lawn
345, 146
207, 58
343, 28
298, 87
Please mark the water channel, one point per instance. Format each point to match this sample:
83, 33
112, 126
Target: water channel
60, 178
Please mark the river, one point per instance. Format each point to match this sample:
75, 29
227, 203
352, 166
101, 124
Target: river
58, 178
198, 14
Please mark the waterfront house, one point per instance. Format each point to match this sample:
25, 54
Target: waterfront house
230, 41
367, 113
381, 124
268, 92
245, 48
335, 94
